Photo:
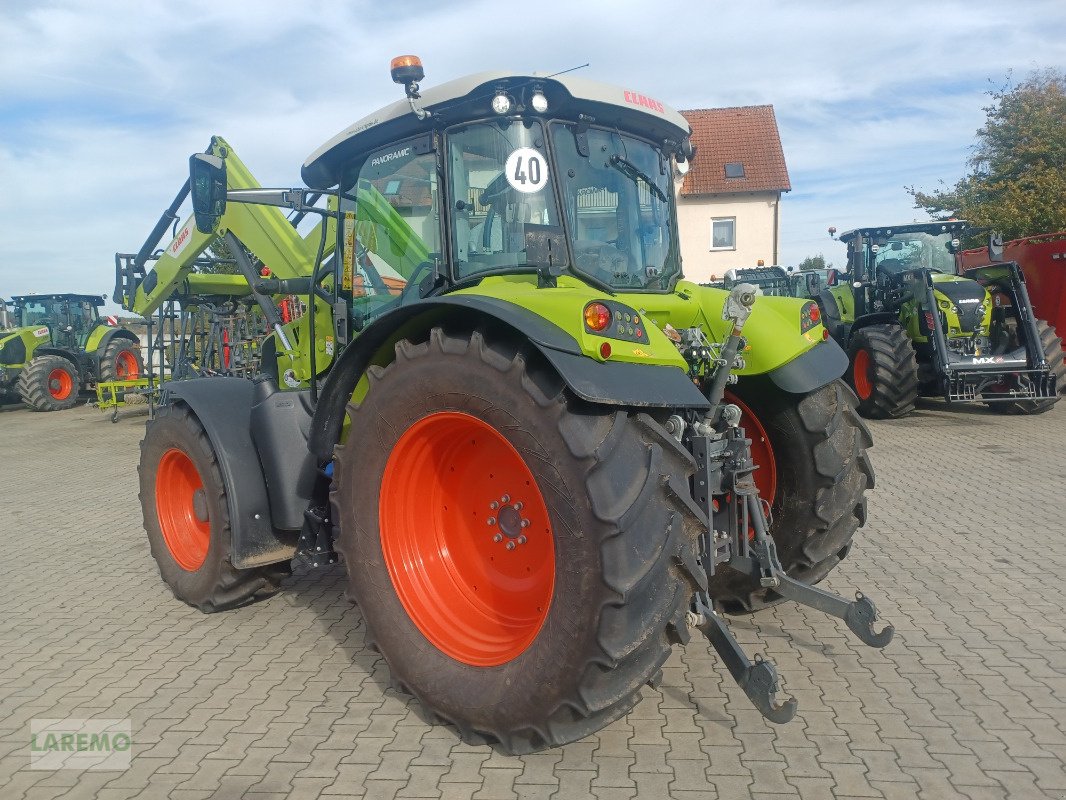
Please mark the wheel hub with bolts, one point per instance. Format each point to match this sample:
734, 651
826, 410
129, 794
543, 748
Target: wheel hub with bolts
508, 521
199, 505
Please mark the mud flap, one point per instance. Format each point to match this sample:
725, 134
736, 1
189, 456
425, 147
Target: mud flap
224, 408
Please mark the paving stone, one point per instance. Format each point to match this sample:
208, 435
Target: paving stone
283, 699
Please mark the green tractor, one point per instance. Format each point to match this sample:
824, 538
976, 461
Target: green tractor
778, 282
58, 346
522, 431
913, 327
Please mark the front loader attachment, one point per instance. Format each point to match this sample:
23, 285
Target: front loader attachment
1020, 374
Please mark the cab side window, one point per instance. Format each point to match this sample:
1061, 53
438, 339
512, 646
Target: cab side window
391, 231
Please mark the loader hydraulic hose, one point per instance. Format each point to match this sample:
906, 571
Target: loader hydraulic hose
267, 306
312, 292
283, 285
160, 228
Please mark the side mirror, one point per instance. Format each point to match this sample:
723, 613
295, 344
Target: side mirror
207, 183
995, 247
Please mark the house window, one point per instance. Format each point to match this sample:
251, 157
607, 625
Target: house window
723, 233
734, 169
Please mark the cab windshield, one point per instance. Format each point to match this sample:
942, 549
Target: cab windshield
905, 251
502, 190
616, 194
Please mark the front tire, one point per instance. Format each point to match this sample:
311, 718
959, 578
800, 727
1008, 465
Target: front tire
884, 371
814, 471
534, 645
186, 516
49, 383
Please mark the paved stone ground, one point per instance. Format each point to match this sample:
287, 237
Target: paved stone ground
282, 700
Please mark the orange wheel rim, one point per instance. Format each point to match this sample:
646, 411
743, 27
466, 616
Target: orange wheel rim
860, 375
126, 366
467, 539
762, 452
60, 384
181, 505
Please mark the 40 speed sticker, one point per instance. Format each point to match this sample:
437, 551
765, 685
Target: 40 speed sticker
526, 170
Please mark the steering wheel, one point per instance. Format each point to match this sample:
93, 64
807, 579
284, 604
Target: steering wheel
602, 259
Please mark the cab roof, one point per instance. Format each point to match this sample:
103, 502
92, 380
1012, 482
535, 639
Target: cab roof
949, 226
470, 97
95, 299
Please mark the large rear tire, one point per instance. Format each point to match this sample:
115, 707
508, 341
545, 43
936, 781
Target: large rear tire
458, 442
49, 383
186, 516
1052, 346
815, 445
884, 371
121, 361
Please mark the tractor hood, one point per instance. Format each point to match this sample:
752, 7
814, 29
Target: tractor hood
13, 344
969, 297
470, 98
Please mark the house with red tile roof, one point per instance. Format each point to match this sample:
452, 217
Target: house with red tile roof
728, 204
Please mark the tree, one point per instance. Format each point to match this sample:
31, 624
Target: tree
1017, 179
814, 262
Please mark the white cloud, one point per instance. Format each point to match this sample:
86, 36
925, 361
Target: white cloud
102, 102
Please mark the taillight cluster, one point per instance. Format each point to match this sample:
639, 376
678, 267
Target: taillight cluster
615, 321
810, 316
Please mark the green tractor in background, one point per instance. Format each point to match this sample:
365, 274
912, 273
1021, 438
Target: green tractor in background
913, 327
57, 346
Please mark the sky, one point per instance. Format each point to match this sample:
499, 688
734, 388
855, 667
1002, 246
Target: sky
102, 101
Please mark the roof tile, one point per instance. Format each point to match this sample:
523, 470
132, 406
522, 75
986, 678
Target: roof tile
747, 134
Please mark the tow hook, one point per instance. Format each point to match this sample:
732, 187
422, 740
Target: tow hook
737, 535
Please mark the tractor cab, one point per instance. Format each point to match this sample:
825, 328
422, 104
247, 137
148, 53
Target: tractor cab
503, 173
69, 318
885, 255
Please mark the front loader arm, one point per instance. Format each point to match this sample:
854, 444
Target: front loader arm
263, 230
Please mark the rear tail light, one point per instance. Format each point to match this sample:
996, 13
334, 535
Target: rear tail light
597, 317
810, 316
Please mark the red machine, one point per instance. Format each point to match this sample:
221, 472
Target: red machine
1043, 262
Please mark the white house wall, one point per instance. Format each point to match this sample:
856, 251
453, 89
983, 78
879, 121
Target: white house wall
755, 219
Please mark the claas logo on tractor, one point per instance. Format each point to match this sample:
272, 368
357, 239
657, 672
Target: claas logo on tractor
503, 407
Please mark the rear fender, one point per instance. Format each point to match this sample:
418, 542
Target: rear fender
843, 299
109, 335
795, 360
224, 408
867, 320
607, 383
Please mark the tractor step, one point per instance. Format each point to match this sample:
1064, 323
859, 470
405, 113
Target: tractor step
315, 545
